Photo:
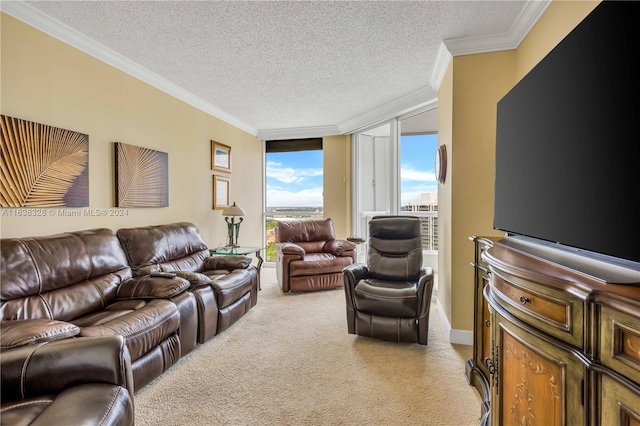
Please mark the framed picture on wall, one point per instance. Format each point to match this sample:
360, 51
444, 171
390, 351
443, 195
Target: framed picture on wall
220, 157
221, 189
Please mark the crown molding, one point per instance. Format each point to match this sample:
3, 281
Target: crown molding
35, 18
528, 17
443, 59
418, 99
449, 48
298, 133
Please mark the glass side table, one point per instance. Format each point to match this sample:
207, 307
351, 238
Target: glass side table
241, 251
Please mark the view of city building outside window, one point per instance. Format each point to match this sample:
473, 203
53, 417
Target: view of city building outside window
294, 190
418, 185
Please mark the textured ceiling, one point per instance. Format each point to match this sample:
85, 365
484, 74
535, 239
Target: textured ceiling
287, 64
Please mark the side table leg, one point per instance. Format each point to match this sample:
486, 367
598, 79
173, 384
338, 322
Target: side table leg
260, 260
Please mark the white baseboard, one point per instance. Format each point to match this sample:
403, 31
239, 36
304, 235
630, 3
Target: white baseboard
458, 337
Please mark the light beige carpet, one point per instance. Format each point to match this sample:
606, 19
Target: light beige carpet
290, 361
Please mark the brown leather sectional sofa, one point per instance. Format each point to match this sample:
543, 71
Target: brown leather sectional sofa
225, 287
95, 283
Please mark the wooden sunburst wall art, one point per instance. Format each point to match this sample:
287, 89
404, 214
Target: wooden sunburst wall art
142, 176
42, 166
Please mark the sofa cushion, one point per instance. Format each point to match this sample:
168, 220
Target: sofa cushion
230, 286
27, 332
387, 298
318, 263
144, 327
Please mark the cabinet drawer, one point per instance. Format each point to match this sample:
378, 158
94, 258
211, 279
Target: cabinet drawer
553, 311
620, 342
619, 404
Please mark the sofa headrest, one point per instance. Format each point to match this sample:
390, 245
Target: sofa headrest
305, 230
37, 265
156, 244
395, 247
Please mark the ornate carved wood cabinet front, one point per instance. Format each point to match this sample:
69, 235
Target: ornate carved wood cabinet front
564, 346
541, 383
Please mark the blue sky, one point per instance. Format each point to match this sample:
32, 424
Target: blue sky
294, 179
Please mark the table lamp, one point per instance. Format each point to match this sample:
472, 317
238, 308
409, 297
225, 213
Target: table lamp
233, 227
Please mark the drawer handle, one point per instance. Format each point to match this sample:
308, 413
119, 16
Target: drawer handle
487, 323
524, 300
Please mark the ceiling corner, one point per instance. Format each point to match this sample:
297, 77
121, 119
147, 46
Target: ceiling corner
528, 17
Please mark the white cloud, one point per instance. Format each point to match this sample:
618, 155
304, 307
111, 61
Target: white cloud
290, 174
407, 173
279, 197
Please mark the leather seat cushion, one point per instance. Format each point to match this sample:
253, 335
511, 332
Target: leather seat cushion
143, 325
230, 287
25, 411
318, 264
387, 298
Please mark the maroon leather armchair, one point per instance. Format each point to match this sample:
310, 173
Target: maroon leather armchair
309, 257
92, 384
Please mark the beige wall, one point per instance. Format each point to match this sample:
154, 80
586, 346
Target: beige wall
558, 20
49, 82
337, 183
445, 128
467, 120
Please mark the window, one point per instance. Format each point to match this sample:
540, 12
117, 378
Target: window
294, 184
418, 186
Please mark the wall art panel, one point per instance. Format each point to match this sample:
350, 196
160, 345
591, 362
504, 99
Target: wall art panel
142, 176
42, 165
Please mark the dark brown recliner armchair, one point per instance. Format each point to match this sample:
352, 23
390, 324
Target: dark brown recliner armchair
74, 381
389, 298
309, 257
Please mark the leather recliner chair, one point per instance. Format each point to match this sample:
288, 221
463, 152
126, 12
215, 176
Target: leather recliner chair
226, 287
389, 298
309, 257
83, 279
92, 384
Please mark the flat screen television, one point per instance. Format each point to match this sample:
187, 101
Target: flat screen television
568, 142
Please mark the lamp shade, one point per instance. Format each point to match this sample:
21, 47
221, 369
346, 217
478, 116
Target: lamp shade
233, 211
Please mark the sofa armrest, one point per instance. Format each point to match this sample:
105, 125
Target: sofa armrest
147, 287
354, 273
336, 247
18, 333
27, 371
91, 404
290, 248
226, 262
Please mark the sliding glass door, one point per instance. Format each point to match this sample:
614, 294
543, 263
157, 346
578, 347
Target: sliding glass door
393, 166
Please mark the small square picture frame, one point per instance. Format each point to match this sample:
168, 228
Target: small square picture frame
220, 157
221, 192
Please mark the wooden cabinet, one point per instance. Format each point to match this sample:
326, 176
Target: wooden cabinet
535, 381
563, 345
476, 369
618, 403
